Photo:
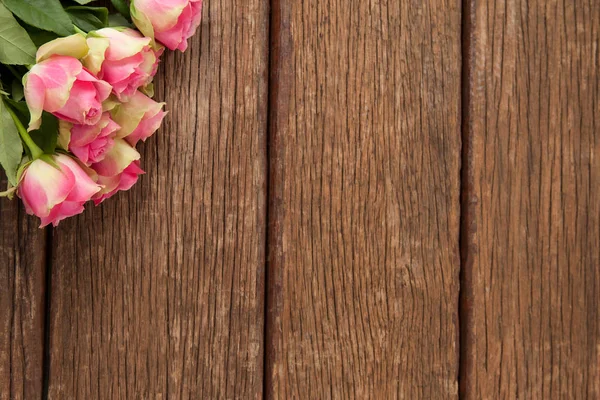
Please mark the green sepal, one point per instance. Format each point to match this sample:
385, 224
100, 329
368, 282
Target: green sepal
48, 159
22, 168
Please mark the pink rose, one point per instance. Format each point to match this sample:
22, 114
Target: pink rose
118, 170
171, 22
139, 118
88, 142
123, 58
62, 86
56, 192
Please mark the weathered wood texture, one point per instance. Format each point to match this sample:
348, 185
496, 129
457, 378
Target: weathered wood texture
532, 195
22, 302
364, 199
159, 293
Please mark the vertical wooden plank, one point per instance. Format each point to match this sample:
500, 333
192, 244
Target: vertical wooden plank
22, 302
364, 199
532, 244
159, 293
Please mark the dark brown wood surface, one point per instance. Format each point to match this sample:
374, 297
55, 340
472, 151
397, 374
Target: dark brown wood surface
159, 293
22, 302
364, 200
297, 233
532, 216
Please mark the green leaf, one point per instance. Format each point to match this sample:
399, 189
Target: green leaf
122, 7
21, 109
16, 47
47, 136
118, 20
88, 18
41, 37
11, 148
82, 2
44, 14
17, 90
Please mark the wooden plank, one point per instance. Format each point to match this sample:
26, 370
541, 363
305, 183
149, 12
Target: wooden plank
532, 233
159, 293
364, 200
22, 301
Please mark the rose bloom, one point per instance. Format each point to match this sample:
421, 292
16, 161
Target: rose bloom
123, 58
139, 118
89, 143
172, 22
62, 86
119, 170
56, 192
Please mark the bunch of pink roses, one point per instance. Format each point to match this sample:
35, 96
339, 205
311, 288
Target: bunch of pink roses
86, 100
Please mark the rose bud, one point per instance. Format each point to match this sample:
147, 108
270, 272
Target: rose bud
62, 86
139, 118
118, 170
172, 22
123, 58
55, 192
88, 142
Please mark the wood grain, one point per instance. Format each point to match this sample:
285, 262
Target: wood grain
22, 301
532, 201
159, 293
363, 266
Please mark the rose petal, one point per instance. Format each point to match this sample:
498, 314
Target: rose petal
74, 46
146, 128
85, 187
117, 159
123, 44
44, 186
163, 15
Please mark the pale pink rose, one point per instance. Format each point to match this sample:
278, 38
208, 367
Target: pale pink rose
56, 192
119, 170
139, 118
89, 143
172, 22
62, 86
123, 58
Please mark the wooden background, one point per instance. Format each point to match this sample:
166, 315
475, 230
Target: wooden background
349, 199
